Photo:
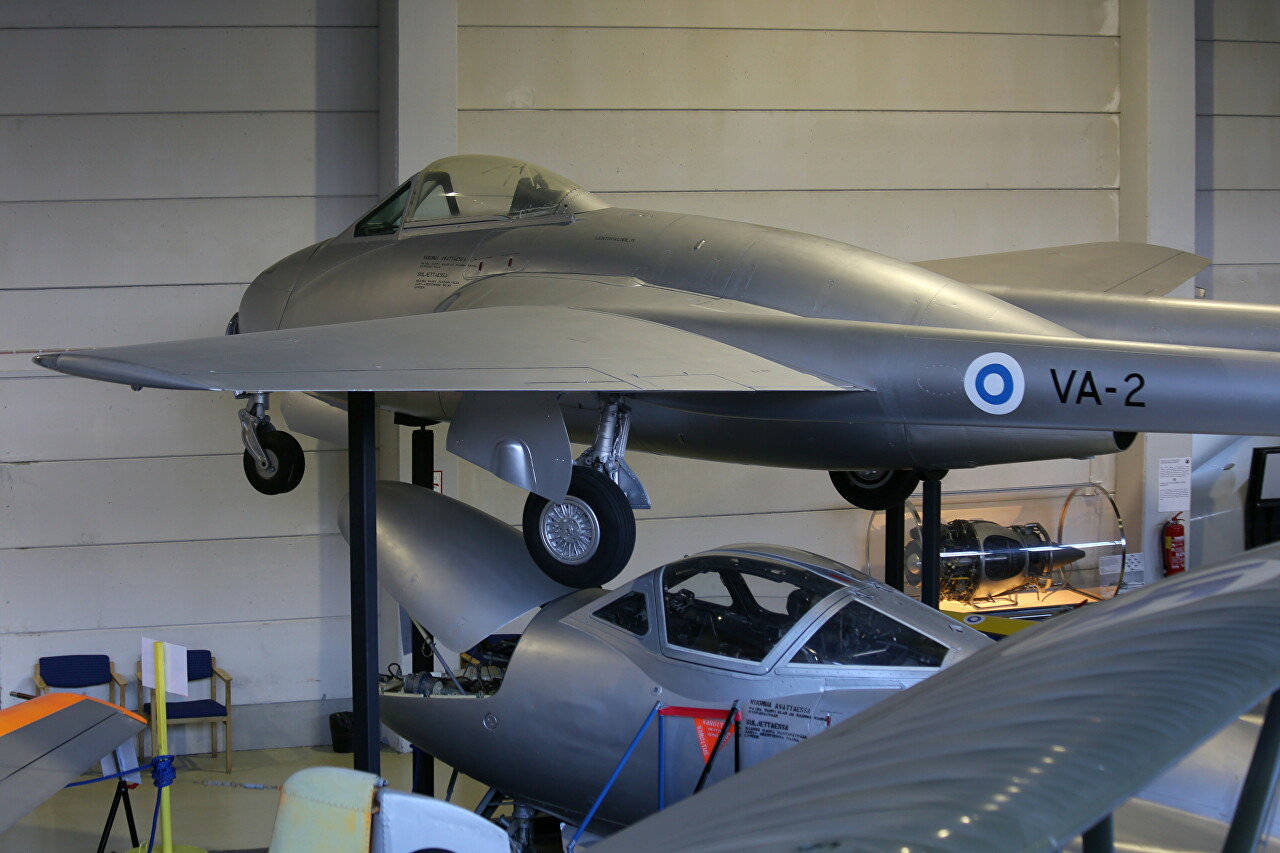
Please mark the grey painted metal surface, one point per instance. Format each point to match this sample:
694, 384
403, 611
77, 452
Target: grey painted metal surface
715, 340
38, 758
583, 298
456, 570
1019, 747
1135, 269
589, 667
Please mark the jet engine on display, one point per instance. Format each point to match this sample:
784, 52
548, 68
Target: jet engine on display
984, 562
509, 301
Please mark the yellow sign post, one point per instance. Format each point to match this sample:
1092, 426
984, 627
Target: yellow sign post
161, 747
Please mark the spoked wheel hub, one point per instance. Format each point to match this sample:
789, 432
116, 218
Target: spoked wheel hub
569, 531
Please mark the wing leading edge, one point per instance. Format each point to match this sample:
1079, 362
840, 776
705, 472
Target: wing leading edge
1136, 269
489, 349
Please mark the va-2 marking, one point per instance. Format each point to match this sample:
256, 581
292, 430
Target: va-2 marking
1088, 388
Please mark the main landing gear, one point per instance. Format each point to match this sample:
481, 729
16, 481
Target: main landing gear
875, 489
587, 539
273, 460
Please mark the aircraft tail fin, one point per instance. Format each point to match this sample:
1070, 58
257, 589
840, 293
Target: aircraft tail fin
1134, 269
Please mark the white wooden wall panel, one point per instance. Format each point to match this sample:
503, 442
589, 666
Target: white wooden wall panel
1245, 282
186, 146
111, 316
50, 419
1245, 78
570, 68
1245, 152
166, 13
1238, 99
849, 120
1245, 227
160, 241
1060, 17
1238, 20
165, 499
913, 225
207, 69
136, 587
824, 150
224, 155
292, 661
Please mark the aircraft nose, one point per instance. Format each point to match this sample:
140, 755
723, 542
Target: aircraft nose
262, 306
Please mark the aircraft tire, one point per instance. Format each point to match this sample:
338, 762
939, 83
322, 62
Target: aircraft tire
875, 489
912, 568
585, 540
283, 449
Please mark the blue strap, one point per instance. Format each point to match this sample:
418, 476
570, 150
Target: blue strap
162, 775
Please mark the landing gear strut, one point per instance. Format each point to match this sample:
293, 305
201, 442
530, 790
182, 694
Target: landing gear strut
587, 539
273, 460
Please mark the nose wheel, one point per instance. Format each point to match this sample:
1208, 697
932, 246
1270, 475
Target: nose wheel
586, 539
273, 460
285, 463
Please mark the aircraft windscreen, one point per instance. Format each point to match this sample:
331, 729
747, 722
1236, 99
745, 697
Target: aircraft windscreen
857, 635
735, 606
385, 218
484, 187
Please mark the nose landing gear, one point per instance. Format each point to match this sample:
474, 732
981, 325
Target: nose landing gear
273, 460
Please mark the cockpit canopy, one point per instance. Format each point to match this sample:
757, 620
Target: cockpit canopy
476, 188
753, 607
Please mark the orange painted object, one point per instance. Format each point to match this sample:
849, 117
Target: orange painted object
17, 716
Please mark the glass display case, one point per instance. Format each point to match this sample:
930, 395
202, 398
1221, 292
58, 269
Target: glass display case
1015, 549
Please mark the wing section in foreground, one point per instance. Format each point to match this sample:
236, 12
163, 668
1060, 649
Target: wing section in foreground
1134, 269
1019, 747
48, 741
521, 348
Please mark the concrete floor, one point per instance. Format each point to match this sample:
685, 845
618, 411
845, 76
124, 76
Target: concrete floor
215, 817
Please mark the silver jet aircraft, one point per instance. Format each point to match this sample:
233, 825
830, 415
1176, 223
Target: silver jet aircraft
793, 642
507, 300
866, 717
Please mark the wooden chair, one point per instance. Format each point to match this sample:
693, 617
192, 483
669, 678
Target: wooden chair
74, 672
201, 665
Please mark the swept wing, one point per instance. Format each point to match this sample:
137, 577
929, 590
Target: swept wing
1136, 269
679, 351
525, 348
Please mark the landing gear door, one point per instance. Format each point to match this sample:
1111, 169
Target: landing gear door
518, 436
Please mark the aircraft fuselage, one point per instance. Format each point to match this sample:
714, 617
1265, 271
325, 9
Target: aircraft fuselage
723, 267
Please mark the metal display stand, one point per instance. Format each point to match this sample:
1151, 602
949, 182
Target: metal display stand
364, 581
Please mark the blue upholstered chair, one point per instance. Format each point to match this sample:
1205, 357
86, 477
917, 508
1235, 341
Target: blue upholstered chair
201, 665
76, 672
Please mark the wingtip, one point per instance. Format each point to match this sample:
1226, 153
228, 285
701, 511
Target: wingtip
93, 365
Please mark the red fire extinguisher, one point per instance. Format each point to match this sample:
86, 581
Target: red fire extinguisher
1175, 546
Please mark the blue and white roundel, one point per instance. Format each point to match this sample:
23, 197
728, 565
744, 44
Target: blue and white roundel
994, 383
